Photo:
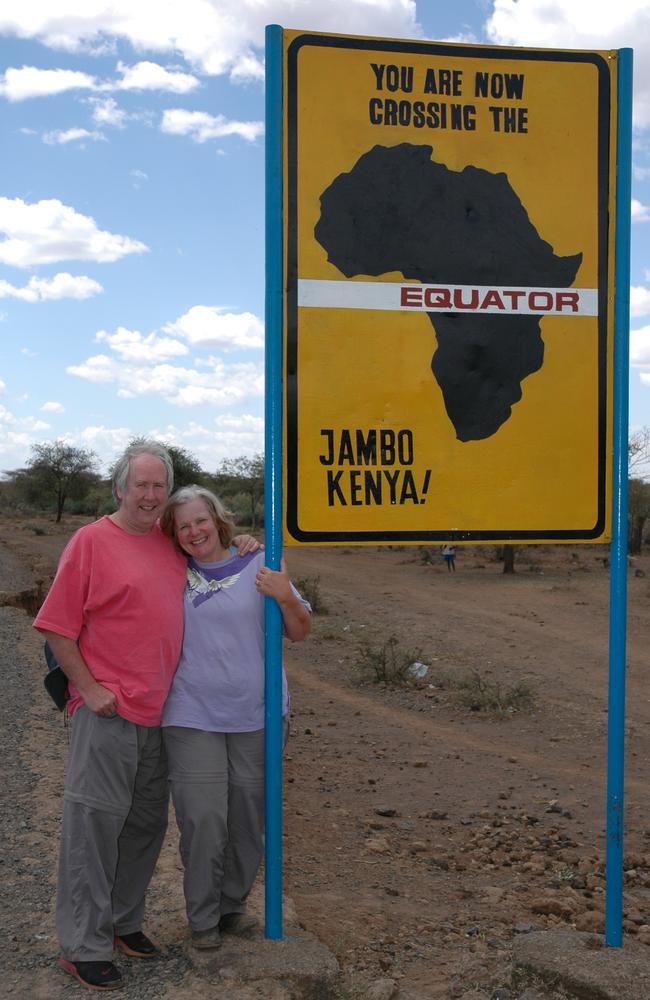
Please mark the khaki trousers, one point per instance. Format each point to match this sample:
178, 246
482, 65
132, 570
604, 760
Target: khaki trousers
217, 785
114, 822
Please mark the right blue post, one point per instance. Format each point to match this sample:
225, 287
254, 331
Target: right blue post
618, 562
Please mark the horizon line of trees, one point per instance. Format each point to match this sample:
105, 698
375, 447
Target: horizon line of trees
59, 477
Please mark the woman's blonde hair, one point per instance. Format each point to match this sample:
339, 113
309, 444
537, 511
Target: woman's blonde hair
222, 518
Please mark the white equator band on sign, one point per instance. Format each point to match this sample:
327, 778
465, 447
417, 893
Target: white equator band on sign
415, 297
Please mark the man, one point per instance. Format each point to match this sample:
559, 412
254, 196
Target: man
114, 620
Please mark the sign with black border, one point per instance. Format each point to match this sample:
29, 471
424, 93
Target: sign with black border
471, 187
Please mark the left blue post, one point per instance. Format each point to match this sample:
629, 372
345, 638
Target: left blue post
273, 484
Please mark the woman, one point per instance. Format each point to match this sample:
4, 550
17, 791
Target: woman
214, 716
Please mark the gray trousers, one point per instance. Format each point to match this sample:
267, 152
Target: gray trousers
217, 785
114, 822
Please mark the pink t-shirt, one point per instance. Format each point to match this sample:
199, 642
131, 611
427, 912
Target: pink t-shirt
120, 596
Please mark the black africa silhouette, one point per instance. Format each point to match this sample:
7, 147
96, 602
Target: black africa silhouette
399, 210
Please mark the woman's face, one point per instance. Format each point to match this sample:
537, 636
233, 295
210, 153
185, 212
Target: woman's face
197, 533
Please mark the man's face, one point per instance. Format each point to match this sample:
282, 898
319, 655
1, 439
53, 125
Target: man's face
145, 494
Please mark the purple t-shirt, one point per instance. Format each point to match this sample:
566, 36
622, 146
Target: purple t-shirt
219, 684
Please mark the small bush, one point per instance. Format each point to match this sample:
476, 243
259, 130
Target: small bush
426, 556
482, 695
309, 587
36, 528
386, 664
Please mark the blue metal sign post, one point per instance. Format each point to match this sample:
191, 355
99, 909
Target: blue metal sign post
618, 577
273, 484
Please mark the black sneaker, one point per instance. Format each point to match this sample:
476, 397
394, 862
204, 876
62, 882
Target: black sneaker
137, 945
94, 975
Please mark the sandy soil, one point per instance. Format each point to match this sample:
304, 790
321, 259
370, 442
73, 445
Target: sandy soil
421, 836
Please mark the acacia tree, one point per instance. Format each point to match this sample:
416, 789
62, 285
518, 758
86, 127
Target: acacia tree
187, 469
638, 451
638, 513
60, 471
639, 487
244, 474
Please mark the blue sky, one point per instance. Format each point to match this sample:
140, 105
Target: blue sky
132, 204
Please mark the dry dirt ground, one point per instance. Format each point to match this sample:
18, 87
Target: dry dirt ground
421, 835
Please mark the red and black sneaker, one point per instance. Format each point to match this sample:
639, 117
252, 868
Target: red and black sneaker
137, 945
94, 975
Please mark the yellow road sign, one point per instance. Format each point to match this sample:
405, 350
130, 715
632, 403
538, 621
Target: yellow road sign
448, 267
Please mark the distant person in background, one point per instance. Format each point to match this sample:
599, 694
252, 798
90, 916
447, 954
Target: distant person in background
114, 621
213, 721
449, 555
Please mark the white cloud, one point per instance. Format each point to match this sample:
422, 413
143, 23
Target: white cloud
639, 301
20, 84
221, 385
15, 439
640, 347
640, 212
139, 178
29, 81
244, 424
99, 368
241, 434
579, 24
62, 136
106, 111
130, 345
214, 36
201, 126
53, 407
152, 76
108, 443
247, 67
463, 38
228, 437
48, 231
210, 326
34, 424
3, 386
61, 286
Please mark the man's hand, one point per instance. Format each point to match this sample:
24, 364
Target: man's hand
99, 700
245, 544
96, 697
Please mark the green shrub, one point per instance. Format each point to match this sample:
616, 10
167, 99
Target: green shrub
309, 587
479, 694
386, 664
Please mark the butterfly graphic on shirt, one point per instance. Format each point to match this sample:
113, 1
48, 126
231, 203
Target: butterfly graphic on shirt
198, 589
